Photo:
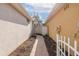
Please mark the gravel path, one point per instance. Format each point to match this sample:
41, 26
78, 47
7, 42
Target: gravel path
41, 49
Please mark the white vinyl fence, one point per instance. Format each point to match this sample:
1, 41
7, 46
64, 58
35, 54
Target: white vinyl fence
61, 43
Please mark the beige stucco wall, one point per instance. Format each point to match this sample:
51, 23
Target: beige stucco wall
69, 21
13, 29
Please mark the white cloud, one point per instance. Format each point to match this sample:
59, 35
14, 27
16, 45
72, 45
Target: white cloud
42, 7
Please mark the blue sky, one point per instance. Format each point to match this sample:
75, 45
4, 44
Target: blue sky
43, 9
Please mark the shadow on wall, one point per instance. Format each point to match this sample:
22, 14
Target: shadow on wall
8, 13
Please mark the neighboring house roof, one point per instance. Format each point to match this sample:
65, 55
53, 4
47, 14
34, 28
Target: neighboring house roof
21, 10
54, 11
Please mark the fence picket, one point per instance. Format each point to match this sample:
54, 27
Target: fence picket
62, 40
59, 41
68, 46
61, 45
64, 45
57, 44
75, 47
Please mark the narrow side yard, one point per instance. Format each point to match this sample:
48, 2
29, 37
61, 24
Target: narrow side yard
25, 48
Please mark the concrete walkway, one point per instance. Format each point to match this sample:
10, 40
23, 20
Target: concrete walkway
41, 49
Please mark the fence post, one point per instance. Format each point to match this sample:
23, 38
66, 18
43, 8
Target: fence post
57, 37
68, 46
75, 47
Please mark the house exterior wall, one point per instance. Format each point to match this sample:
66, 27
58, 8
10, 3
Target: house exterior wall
14, 29
8, 13
69, 21
44, 30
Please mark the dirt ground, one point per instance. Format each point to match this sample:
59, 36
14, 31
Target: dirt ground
25, 48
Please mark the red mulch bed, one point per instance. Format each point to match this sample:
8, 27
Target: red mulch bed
25, 48
51, 45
